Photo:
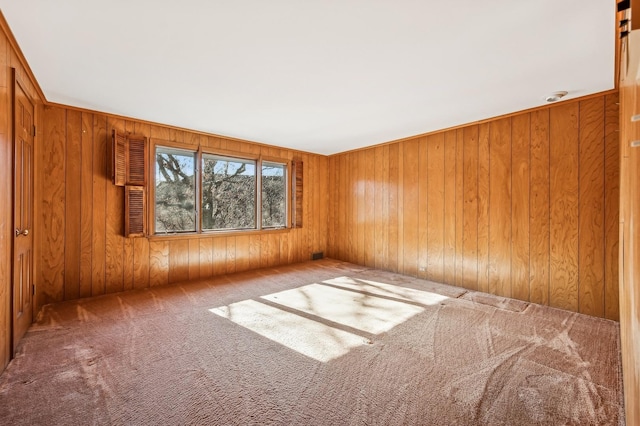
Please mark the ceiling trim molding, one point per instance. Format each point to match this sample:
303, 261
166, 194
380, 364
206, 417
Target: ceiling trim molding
4, 25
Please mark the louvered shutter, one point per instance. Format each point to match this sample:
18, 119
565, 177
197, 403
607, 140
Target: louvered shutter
136, 160
296, 194
135, 211
118, 161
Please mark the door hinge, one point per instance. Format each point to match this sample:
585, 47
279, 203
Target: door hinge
33, 290
34, 130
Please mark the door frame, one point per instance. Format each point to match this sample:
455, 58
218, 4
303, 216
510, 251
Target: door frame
14, 82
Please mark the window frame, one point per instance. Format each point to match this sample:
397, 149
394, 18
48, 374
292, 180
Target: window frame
199, 153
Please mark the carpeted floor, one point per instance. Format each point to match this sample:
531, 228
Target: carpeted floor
318, 343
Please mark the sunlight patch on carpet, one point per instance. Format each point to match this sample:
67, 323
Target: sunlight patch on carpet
369, 306
388, 290
305, 336
364, 312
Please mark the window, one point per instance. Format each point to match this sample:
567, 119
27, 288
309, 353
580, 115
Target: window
274, 190
175, 190
207, 192
228, 193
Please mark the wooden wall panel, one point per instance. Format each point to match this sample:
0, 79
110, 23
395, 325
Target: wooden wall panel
459, 207
470, 209
83, 252
500, 240
86, 204
511, 206
393, 190
520, 186
564, 166
52, 283
423, 208
483, 207
72, 191
99, 222
369, 206
611, 207
410, 207
591, 208
435, 208
539, 208
449, 247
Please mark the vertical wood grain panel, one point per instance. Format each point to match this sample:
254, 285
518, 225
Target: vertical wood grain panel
266, 251
500, 208
333, 208
158, 263
539, 211
378, 213
591, 208
72, 205
178, 260
459, 212
254, 251
129, 265
231, 254
341, 210
194, 259
435, 207
53, 202
612, 204
394, 170
140, 263
360, 207
206, 257
321, 225
219, 256
423, 207
410, 207
563, 151
242, 253
483, 207
369, 205
400, 207
470, 208
86, 206
114, 272
100, 181
352, 203
450, 207
521, 142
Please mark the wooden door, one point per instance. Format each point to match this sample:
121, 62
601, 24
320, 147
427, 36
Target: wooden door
23, 288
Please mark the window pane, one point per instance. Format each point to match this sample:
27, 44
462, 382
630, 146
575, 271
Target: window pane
175, 190
274, 195
228, 193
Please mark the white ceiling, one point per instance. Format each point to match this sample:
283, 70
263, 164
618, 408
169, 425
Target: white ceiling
323, 76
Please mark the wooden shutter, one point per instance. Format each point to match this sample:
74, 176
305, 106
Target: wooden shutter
128, 159
136, 160
135, 219
118, 161
296, 194
129, 169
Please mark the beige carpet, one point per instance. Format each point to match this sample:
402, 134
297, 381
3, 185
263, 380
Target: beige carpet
318, 343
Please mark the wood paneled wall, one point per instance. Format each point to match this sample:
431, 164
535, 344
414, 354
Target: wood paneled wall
82, 250
8, 59
524, 206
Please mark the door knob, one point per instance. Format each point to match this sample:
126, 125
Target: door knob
18, 232
25, 232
